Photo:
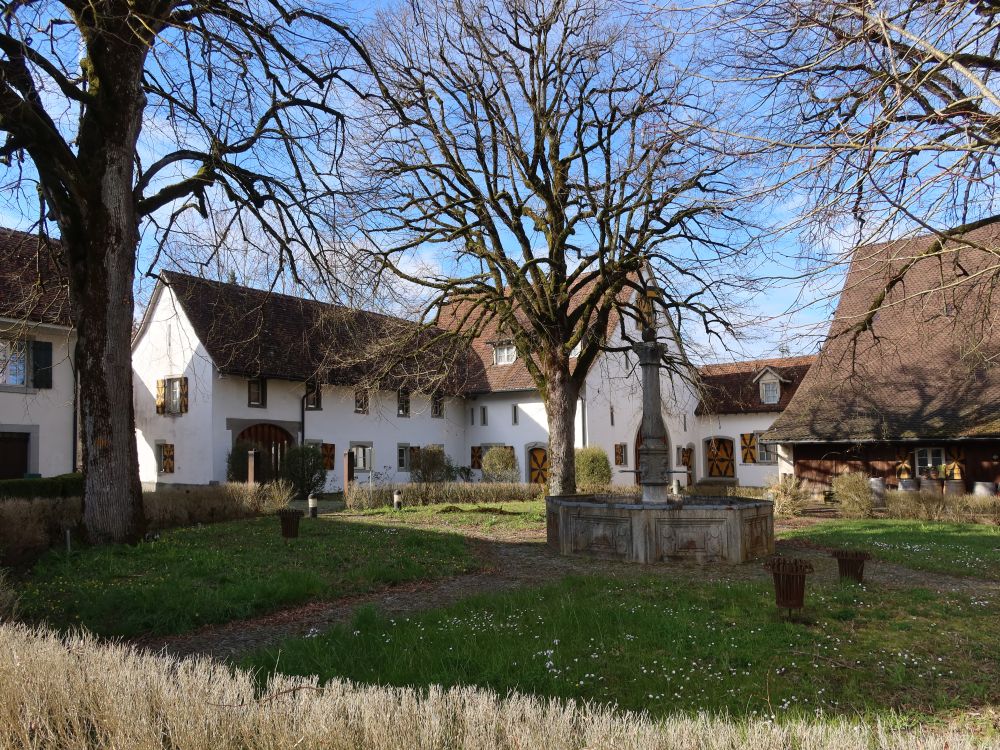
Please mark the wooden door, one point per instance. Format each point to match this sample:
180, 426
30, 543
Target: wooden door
13, 455
271, 443
719, 456
538, 466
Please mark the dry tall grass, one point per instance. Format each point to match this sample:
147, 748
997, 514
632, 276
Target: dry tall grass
928, 506
76, 693
362, 496
789, 497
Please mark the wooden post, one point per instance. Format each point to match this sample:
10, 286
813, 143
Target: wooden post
251, 460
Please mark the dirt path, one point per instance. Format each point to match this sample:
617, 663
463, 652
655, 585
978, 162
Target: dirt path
511, 560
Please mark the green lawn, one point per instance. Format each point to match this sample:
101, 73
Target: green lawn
964, 549
513, 516
221, 572
664, 646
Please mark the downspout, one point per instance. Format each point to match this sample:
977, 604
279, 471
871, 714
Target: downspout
302, 416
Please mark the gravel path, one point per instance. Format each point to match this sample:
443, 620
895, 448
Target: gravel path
513, 560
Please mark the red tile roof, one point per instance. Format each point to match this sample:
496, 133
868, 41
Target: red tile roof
929, 368
32, 286
732, 388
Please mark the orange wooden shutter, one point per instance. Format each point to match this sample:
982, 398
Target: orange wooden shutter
748, 447
619, 454
161, 396
329, 456
476, 460
955, 468
167, 453
184, 395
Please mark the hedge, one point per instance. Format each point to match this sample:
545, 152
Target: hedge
64, 485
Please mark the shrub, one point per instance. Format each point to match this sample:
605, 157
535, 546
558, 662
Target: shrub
362, 495
8, 597
73, 691
789, 496
29, 527
500, 465
64, 485
933, 506
854, 494
305, 469
237, 460
592, 466
430, 465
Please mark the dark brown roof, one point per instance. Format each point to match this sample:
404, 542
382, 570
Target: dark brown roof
256, 333
732, 388
32, 287
929, 368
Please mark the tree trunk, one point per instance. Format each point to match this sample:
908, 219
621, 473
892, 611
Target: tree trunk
100, 241
561, 395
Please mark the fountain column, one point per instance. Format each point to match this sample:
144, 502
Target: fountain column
654, 454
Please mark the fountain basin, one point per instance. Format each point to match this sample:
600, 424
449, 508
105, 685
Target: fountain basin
699, 529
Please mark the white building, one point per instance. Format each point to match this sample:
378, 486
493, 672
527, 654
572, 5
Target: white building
740, 400
37, 382
218, 364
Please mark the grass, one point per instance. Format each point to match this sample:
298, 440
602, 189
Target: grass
511, 516
643, 643
963, 549
212, 574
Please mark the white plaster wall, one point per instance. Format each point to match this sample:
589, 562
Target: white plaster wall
167, 347
45, 413
732, 426
337, 423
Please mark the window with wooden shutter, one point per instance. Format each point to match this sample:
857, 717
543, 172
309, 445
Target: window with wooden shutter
166, 458
621, 454
184, 395
41, 364
748, 447
161, 396
476, 460
329, 451
955, 467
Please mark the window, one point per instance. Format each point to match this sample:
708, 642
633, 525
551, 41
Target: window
360, 401
173, 393
362, 456
770, 391
482, 416
928, 458
403, 404
403, 456
13, 362
766, 452
437, 406
514, 416
611, 414
257, 393
621, 454
165, 458
314, 396
472, 416
504, 354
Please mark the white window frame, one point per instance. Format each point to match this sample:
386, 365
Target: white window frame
314, 397
261, 401
403, 457
366, 452
403, 403
927, 453
504, 353
766, 454
172, 395
764, 388
14, 362
361, 401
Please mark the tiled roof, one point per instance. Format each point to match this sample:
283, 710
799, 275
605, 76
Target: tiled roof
732, 388
929, 368
251, 332
32, 287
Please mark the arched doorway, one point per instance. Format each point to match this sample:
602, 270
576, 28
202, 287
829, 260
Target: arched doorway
719, 463
271, 443
538, 465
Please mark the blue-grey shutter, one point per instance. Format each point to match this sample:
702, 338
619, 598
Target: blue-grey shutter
41, 364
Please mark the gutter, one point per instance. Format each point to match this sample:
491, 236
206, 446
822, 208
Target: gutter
874, 441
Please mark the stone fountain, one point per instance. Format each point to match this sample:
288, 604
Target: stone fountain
663, 525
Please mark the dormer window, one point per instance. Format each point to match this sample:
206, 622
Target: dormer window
504, 354
770, 391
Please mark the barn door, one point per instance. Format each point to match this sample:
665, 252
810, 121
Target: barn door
538, 466
719, 456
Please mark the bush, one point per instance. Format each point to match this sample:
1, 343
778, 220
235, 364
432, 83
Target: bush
431, 465
29, 527
500, 465
854, 494
933, 506
64, 485
8, 597
789, 496
305, 469
592, 466
362, 495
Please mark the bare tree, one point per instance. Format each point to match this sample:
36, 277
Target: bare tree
555, 160
885, 115
122, 117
